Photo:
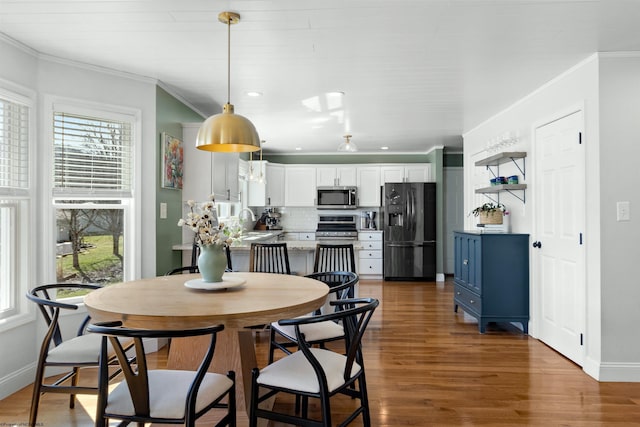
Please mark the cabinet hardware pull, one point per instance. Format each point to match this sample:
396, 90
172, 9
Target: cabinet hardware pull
471, 301
458, 293
465, 262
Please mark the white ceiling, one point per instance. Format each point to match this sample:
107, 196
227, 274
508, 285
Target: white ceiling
414, 73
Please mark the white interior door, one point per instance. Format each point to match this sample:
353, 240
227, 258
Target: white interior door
453, 212
558, 254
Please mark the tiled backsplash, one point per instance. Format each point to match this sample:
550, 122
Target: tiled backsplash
306, 219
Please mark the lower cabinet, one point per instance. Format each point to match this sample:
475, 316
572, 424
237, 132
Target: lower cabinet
491, 277
370, 256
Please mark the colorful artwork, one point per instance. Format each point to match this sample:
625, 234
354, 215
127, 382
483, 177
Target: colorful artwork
172, 162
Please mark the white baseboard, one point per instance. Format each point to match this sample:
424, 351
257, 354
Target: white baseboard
613, 372
17, 380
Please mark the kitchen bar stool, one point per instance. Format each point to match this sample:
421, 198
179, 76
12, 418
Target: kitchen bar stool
269, 258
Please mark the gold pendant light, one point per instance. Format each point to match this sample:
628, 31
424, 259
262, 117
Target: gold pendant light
228, 132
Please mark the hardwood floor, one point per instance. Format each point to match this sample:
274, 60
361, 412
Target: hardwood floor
427, 365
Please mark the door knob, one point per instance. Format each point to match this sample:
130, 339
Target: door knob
537, 244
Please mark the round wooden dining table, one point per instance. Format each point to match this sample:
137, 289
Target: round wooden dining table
167, 303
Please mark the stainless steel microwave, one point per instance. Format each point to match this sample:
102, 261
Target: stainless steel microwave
337, 197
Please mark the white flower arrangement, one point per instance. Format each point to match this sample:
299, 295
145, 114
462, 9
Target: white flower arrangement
204, 223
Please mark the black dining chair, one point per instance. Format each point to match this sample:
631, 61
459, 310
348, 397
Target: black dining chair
269, 258
316, 372
334, 257
73, 354
162, 396
341, 286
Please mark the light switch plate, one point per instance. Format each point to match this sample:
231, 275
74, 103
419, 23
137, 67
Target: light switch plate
163, 211
623, 211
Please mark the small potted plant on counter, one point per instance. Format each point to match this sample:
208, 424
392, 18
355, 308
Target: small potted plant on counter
490, 213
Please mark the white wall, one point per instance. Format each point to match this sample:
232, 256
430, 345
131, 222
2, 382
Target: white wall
576, 88
47, 76
607, 86
619, 178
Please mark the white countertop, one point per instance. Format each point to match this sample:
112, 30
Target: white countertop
292, 245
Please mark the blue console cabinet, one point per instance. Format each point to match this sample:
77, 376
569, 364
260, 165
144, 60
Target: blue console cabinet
491, 278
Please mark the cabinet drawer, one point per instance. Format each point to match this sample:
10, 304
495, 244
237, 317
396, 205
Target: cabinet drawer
290, 236
372, 245
369, 236
370, 254
307, 236
467, 299
370, 266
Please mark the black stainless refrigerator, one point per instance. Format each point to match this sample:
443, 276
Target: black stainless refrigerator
409, 221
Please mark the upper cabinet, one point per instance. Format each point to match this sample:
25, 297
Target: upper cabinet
224, 172
300, 186
330, 176
208, 173
368, 186
269, 192
410, 172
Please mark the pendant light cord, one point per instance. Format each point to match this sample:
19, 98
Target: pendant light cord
229, 60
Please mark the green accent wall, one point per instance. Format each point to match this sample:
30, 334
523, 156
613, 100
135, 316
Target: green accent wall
170, 113
453, 160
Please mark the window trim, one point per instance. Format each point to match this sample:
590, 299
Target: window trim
130, 204
25, 256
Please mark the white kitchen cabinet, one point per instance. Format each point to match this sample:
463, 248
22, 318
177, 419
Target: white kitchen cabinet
207, 173
368, 186
275, 185
370, 256
224, 172
270, 192
410, 172
329, 176
300, 186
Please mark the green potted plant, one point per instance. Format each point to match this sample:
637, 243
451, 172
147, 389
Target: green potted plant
490, 213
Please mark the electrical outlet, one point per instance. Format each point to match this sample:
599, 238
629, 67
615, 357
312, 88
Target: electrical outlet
623, 211
163, 211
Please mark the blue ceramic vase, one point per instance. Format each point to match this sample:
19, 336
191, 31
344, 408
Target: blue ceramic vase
211, 262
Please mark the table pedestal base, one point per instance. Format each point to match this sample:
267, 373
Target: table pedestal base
235, 351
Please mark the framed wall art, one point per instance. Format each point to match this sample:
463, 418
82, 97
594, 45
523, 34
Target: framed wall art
172, 162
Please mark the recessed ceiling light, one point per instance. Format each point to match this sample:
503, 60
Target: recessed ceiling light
298, 148
254, 94
384, 148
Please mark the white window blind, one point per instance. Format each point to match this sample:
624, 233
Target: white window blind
14, 145
91, 155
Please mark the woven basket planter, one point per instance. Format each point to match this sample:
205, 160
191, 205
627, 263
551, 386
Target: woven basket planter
491, 217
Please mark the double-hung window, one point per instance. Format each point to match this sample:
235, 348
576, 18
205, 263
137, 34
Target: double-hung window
16, 198
92, 194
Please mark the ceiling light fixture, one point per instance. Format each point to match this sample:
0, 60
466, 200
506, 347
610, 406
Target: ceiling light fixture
228, 132
347, 145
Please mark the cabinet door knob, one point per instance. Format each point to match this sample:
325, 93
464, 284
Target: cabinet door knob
465, 262
471, 301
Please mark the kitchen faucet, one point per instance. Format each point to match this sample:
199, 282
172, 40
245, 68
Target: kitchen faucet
253, 217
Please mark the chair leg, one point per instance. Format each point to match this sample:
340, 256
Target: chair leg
74, 383
364, 401
35, 399
272, 337
253, 418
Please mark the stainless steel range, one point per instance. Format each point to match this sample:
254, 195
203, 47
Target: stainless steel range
337, 227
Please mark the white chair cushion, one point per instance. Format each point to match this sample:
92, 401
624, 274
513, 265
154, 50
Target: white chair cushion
168, 393
81, 349
296, 373
312, 331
